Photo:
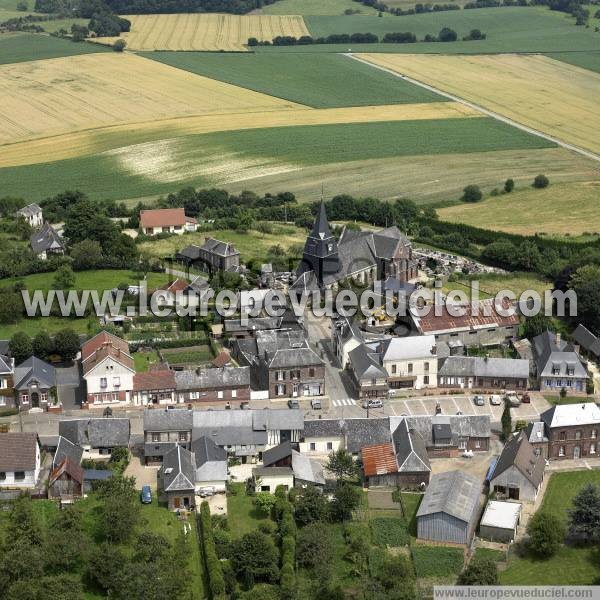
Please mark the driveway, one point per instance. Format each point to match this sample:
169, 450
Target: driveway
70, 387
143, 475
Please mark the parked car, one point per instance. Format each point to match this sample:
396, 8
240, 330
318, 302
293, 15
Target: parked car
146, 495
479, 401
512, 398
207, 491
373, 403
293, 403
495, 400
467, 454
315, 404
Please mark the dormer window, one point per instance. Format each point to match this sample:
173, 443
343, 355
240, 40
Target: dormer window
329, 247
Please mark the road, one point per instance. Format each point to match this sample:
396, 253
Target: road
481, 109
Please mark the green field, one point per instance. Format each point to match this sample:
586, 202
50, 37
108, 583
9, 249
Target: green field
15, 48
490, 285
585, 60
319, 81
144, 360
519, 29
314, 7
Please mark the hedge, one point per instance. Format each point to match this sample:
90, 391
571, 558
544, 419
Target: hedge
287, 531
216, 581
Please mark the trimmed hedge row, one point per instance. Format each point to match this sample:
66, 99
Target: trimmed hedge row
214, 570
287, 531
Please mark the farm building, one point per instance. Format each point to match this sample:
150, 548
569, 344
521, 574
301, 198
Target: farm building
166, 220
500, 521
450, 507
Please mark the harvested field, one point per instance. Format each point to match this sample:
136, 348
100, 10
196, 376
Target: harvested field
83, 92
206, 32
550, 96
84, 143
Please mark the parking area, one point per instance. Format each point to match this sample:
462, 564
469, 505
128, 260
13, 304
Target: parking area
143, 475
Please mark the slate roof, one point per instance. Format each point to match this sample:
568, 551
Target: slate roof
536, 432
285, 349
211, 460
587, 340
7, 365
34, 368
97, 474
96, 432
218, 247
179, 470
273, 471
478, 366
66, 449
460, 426
30, 210
159, 419
215, 378
365, 364
18, 451
518, 452
46, 239
158, 379
454, 493
358, 432
552, 353
307, 469
410, 450
277, 453
418, 346
67, 466
570, 415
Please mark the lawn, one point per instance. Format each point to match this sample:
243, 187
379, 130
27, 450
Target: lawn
527, 211
196, 354
563, 487
489, 554
318, 81
490, 285
437, 561
585, 60
25, 47
556, 399
32, 326
314, 7
242, 515
410, 503
144, 360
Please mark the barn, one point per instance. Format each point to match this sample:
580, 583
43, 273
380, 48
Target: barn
450, 508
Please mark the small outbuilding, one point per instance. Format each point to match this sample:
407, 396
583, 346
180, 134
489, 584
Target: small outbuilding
500, 521
267, 479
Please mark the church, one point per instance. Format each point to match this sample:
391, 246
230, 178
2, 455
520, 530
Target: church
364, 256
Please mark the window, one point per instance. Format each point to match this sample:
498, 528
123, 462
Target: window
24, 398
311, 372
279, 375
594, 434
578, 434
103, 382
329, 445
373, 381
220, 394
116, 381
3, 383
462, 445
280, 389
19, 475
44, 396
2, 475
592, 448
562, 436
426, 367
313, 446
410, 367
393, 369
2, 400
234, 393
156, 437
561, 451
477, 443
425, 379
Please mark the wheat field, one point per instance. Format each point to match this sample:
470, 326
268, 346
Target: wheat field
51, 97
206, 32
553, 97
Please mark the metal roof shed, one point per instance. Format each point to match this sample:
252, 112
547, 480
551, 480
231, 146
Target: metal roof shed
500, 521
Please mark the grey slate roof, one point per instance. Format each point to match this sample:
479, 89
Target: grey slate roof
168, 420
256, 323
552, 354
454, 493
7, 365
358, 432
179, 470
30, 210
208, 379
211, 460
307, 469
587, 340
461, 426
277, 453
67, 449
478, 366
46, 239
285, 349
410, 450
34, 368
366, 364
96, 432
536, 432
218, 247
518, 452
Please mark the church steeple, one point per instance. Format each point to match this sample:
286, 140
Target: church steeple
321, 226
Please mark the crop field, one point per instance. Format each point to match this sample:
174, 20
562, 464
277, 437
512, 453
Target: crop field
206, 32
23, 47
80, 92
560, 208
548, 95
314, 7
320, 81
585, 60
518, 29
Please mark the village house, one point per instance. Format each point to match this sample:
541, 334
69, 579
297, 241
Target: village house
66, 449
480, 324
364, 256
345, 336
213, 256
35, 384
46, 243
98, 437
19, 460
450, 507
519, 470
7, 382
226, 384
483, 373
585, 339
536, 435
65, 482
370, 379
163, 430
283, 363
572, 430
180, 292
211, 465
410, 362
108, 370
268, 479
558, 365
156, 386
305, 470
248, 328
166, 220
176, 478
32, 213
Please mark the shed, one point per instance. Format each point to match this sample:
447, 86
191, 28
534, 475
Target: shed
268, 478
450, 507
500, 521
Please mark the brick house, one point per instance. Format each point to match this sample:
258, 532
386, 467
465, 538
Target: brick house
35, 384
157, 386
483, 373
166, 220
572, 430
370, 379
225, 384
7, 381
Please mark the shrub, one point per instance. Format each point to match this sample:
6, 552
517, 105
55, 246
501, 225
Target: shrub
213, 564
546, 534
447, 35
481, 571
509, 186
472, 193
264, 502
119, 45
389, 531
541, 181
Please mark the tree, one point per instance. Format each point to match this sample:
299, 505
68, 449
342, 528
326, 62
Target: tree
546, 534
509, 185
105, 567
264, 502
536, 325
20, 347
255, 558
120, 517
66, 343
86, 254
506, 421
22, 6
447, 35
64, 278
529, 257
481, 571
42, 345
119, 45
541, 181
585, 283
584, 516
313, 546
346, 499
311, 507
395, 571
342, 465
11, 307
472, 193
68, 541
79, 32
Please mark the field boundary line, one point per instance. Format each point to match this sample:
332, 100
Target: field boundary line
482, 109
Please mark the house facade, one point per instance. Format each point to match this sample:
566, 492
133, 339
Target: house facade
32, 213
35, 384
163, 430
411, 362
154, 387
212, 256
483, 373
368, 376
7, 382
166, 220
229, 385
108, 370
46, 243
66, 481
20, 460
176, 479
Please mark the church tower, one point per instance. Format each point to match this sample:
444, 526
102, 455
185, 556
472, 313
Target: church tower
321, 250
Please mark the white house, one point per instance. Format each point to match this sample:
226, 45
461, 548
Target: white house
108, 370
32, 213
19, 460
411, 362
166, 220
345, 336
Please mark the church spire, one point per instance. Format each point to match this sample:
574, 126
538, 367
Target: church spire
321, 226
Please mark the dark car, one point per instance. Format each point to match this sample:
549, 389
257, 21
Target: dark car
293, 403
146, 495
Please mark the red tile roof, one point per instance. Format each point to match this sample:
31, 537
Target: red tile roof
164, 217
104, 345
158, 379
179, 285
18, 451
431, 323
379, 460
66, 465
99, 340
222, 359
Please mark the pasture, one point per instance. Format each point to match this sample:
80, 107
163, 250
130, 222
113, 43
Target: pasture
206, 32
561, 208
82, 92
585, 60
314, 7
548, 95
320, 81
